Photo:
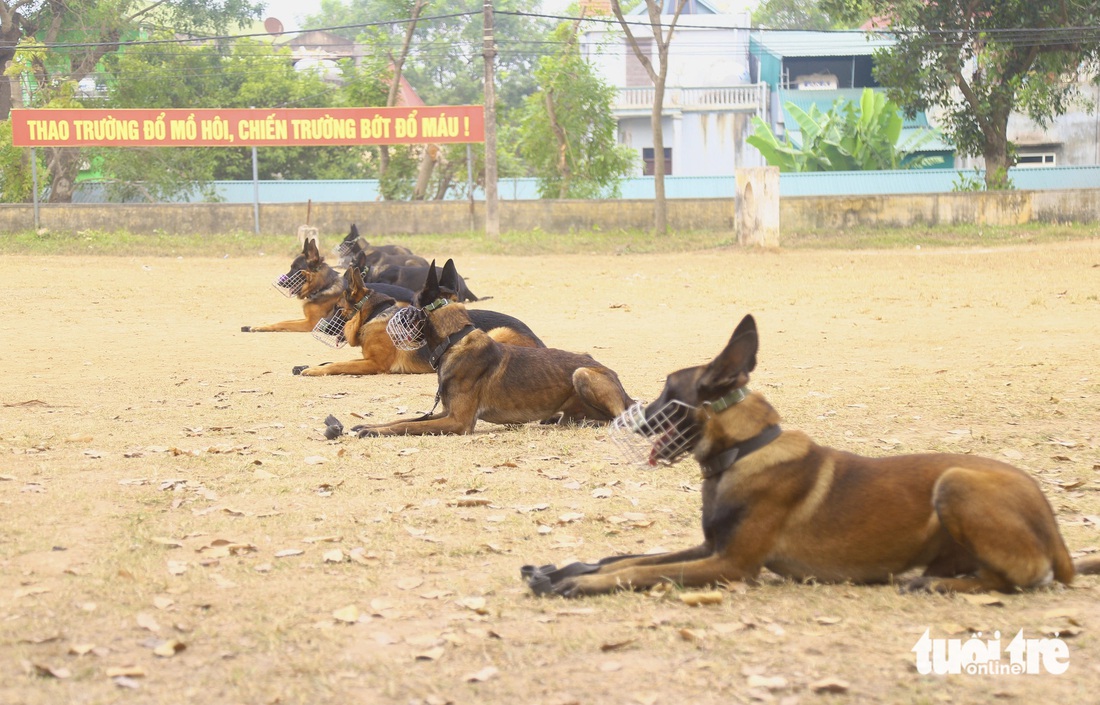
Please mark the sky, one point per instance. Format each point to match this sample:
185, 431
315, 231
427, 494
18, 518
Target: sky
290, 12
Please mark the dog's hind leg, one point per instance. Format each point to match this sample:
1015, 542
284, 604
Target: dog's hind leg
600, 390
1005, 523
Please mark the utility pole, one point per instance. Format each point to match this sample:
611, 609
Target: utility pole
489, 52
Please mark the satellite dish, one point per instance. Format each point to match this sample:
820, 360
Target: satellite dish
273, 26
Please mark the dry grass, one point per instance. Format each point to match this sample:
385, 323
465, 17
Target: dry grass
157, 462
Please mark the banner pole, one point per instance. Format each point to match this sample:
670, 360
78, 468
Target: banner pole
34, 185
255, 193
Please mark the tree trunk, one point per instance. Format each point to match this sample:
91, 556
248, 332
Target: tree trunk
424, 173
64, 164
660, 207
658, 77
996, 154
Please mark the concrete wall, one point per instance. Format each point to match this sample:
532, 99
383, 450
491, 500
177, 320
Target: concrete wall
797, 214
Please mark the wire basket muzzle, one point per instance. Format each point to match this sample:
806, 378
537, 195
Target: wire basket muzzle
661, 437
330, 330
291, 283
406, 328
345, 251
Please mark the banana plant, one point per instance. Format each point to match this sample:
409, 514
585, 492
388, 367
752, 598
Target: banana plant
844, 138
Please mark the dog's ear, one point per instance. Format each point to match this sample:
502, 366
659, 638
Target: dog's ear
310, 250
353, 234
356, 286
430, 292
360, 260
731, 368
449, 278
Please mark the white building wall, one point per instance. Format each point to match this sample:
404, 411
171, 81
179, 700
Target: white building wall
707, 51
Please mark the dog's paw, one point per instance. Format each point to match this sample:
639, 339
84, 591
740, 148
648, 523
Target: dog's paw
246, 329
365, 432
298, 369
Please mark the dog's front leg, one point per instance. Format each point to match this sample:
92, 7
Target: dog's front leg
692, 573
345, 367
688, 554
301, 326
457, 419
443, 425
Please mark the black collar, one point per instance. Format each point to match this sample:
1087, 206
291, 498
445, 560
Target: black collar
437, 353
713, 467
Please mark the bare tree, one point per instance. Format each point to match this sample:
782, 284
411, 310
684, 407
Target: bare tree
657, 76
398, 64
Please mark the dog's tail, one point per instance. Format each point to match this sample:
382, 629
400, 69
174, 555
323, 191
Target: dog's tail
1087, 566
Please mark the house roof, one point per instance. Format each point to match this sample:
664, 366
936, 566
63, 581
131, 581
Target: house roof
809, 43
668, 7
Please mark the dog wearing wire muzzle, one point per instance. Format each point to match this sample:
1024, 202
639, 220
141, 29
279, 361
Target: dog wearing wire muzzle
480, 378
772, 498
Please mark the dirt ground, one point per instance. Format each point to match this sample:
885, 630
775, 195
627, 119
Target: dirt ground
175, 528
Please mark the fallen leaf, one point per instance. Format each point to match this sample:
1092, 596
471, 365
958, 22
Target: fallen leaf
45, 671
333, 556
288, 552
477, 604
80, 649
146, 621
409, 583
177, 567
601, 493
485, 674
125, 672
322, 539
169, 648
983, 600
348, 615
692, 635
828, 620
470, 502
616, 645
695, 599
431, 654
162, 603
830, 685
27, 592
315, 459
766, 682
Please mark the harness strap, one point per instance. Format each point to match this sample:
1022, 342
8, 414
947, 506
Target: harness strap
437, 354
713, 467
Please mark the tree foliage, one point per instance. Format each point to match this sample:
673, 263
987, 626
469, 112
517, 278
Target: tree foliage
844, 138
79, 34
979, 61
245, 75
567, 130
794, 14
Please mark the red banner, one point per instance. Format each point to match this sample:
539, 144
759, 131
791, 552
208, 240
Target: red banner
277, 127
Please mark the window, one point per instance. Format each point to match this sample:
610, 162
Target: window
649, 166
1036, 159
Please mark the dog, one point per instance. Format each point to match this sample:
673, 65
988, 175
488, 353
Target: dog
772, 498
415, 277
366, 311
312, 280
481, 378
353, 244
